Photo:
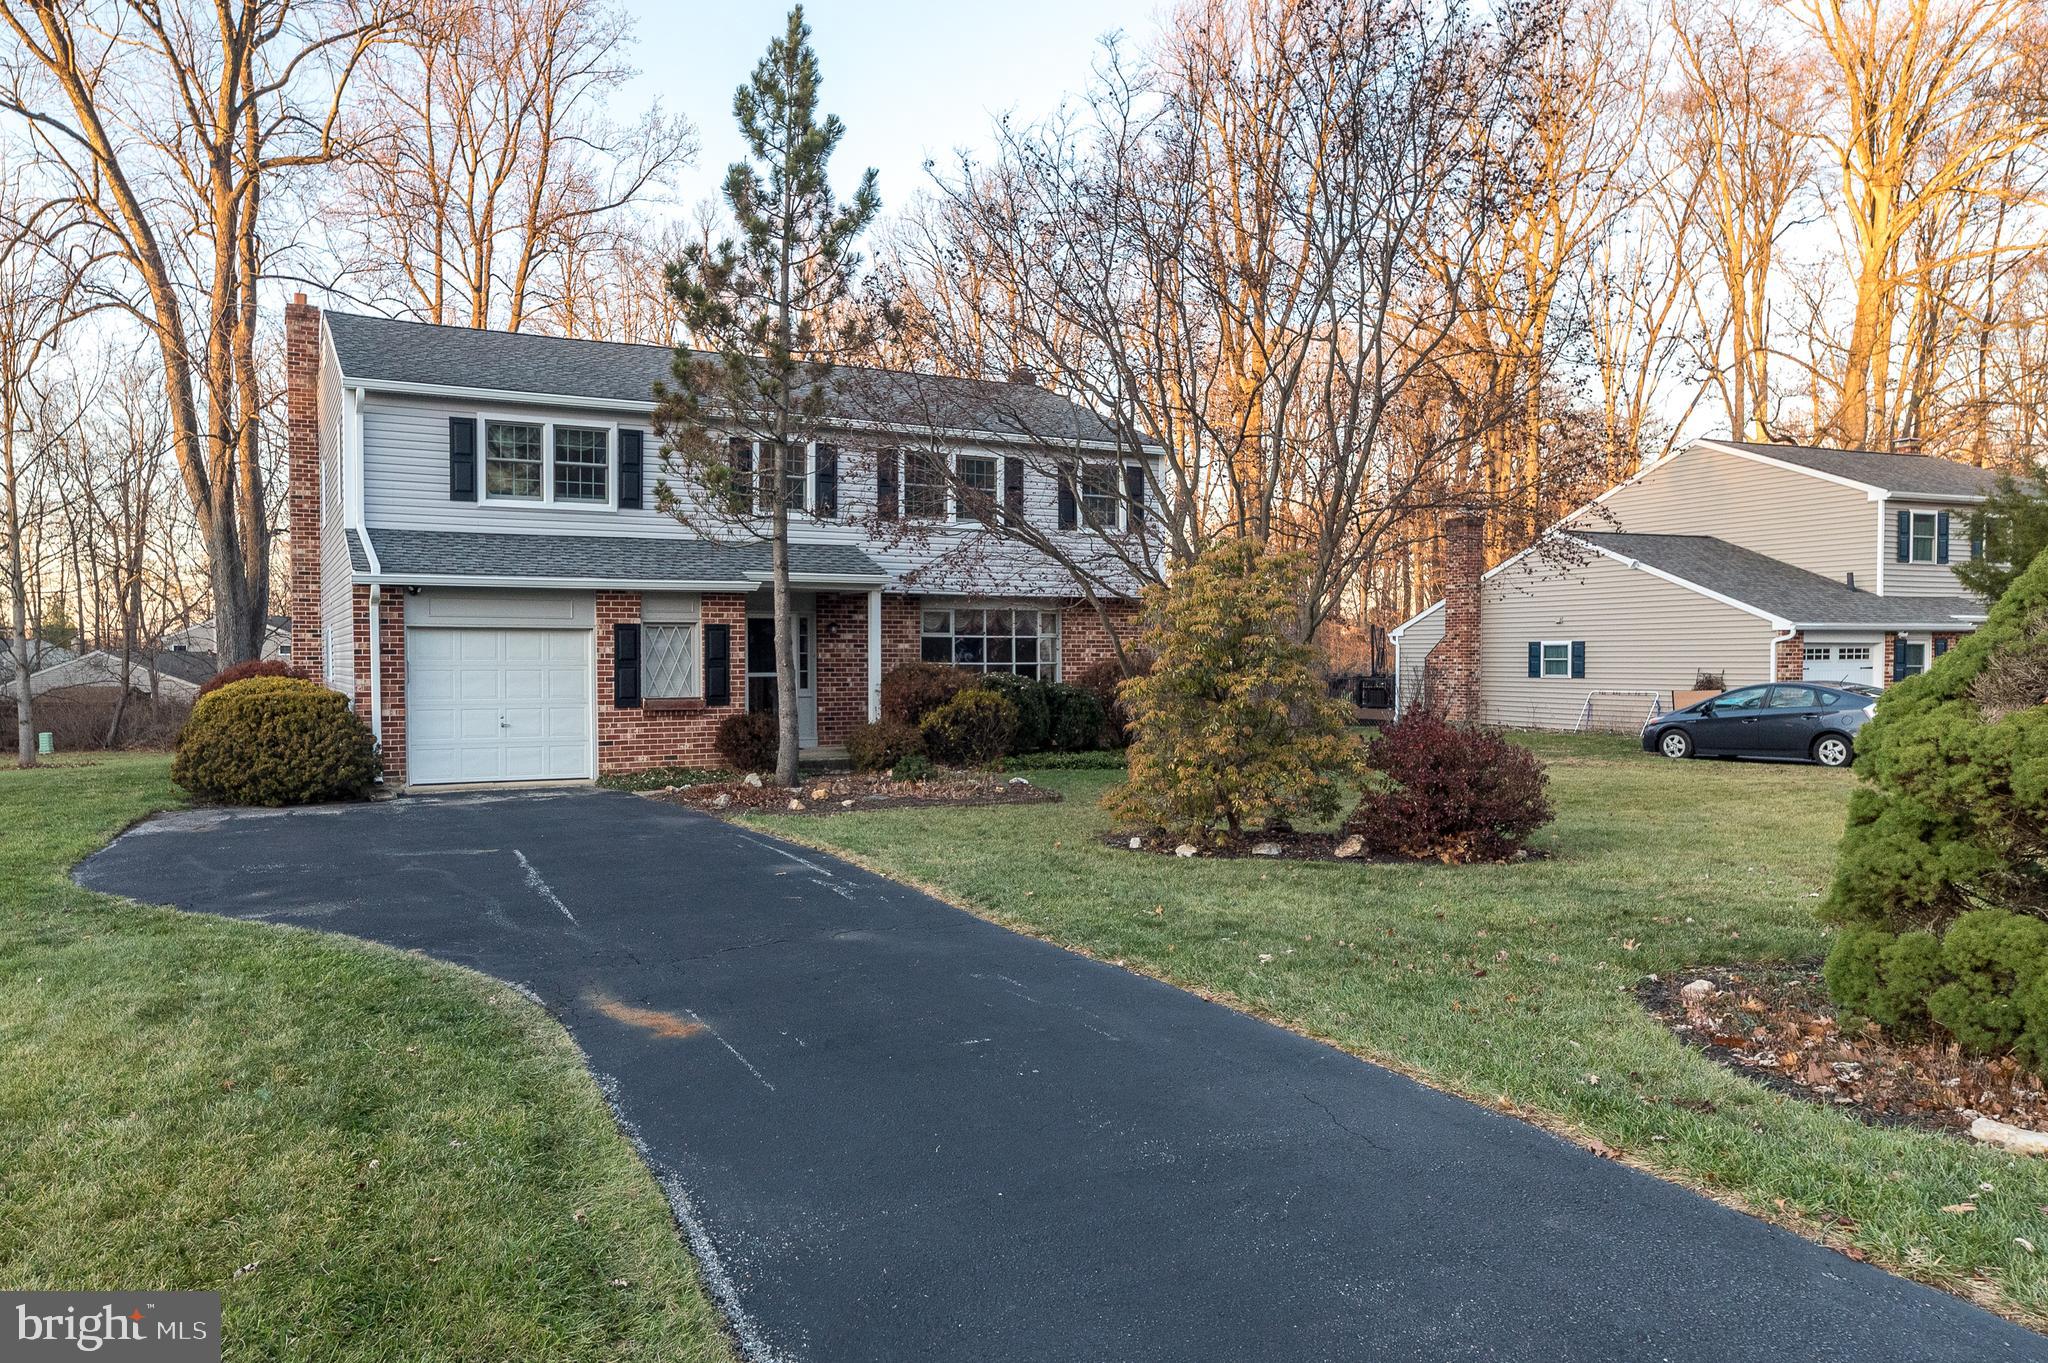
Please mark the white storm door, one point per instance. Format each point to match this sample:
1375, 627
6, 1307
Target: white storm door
486, 705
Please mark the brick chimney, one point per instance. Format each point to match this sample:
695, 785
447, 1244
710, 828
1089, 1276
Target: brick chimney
1906, 444
1454, 662
302, 466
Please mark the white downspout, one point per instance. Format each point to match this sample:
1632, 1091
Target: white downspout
377, 675
874, 654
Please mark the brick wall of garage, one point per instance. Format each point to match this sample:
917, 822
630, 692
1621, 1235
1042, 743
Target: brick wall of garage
676, 733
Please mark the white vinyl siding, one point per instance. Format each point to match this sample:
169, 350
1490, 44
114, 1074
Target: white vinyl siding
1808, 522
405, 487
337, 599
1418, 637
1641, 633
1925, 578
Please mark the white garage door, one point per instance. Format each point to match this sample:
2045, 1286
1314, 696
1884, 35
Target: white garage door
497, 705
1844, 662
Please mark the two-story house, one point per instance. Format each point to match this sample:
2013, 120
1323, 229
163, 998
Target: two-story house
1726, 563
477, 557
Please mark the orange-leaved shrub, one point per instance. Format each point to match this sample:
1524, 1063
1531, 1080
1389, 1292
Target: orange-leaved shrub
1456, 794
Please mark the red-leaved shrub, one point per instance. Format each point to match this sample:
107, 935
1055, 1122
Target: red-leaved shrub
1455, 794
1103, 679
749, 741
255, 667
914, 690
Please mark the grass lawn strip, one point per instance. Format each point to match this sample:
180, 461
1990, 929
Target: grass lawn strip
1514, 985
372, 1156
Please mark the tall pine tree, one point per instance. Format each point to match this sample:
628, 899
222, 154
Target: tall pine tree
770, 309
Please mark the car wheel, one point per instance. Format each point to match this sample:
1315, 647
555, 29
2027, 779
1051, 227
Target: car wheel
1832, 750
1675, 743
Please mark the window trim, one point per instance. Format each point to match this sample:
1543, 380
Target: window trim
1543, 672
958, 511
1933, 519
757, 510
1119, 520
952, 608
547, 498
949, 502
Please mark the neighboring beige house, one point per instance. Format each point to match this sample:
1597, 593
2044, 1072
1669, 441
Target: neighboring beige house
1724, 564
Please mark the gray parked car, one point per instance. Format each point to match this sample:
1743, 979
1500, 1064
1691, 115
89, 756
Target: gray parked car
1789, 721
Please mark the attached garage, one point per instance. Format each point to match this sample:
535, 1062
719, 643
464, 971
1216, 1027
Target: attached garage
499, 687
1842, 659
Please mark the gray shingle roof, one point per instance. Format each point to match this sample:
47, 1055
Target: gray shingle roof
607, 558
373, 349
358, 561
1904, 474
1772, 585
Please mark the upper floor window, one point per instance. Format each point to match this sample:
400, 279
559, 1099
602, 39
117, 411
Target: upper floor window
977, 486
924, 484
1099, 495
810, 477
582, 464
512, 460
1926, 536
546, 462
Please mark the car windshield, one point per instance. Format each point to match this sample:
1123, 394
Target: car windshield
1749, 698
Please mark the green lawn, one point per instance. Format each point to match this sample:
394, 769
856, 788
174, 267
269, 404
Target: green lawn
1512, 984
371, 1156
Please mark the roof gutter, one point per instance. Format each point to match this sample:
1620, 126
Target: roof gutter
595, 584
407, 388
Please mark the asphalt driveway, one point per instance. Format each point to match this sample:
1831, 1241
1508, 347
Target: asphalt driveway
896, 1132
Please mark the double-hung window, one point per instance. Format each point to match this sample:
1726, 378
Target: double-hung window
583, 462
513, 460
1557, 659
977, 487
1926, 529
554, 463
924, 484
1099, 495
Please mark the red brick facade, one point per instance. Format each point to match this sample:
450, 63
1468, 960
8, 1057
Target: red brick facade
1792, 658
1453, 665
302, 470
842, 680
664, 733
1083, 640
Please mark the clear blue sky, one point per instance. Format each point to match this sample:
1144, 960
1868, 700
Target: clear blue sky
911, 79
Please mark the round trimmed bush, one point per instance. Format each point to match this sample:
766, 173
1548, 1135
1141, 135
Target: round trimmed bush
275, 740
255, 667
882, 744
1077, 718
1033, 699
973, 729
749, 740
914, 690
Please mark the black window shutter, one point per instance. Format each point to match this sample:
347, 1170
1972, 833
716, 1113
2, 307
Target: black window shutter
718, 664
1941, 538
631, 470
885, 484
1905, 537
739, 453
826, 480
1898, 656
461, 458
626, 667
1535, 659
1134, 496
1068, 518
1013, 489
1977, 535
1579, 658
1940, 644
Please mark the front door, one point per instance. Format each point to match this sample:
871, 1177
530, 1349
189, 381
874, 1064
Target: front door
761, 673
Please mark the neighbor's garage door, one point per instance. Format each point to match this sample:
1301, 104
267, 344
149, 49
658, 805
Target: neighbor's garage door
1854, 661
497, 705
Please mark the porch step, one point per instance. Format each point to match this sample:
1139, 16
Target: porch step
833, 759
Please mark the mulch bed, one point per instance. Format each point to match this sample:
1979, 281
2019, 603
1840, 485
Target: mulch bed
1774, 1024
1271, 845
842, 794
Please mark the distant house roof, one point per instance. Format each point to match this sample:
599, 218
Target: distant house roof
1904, 475
1778, 588
178, 674
40, 655
647, 559
374, 350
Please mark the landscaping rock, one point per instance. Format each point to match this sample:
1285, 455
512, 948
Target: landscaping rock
722, 801
1699, 991
1137, 843
796, 805
1349, 848
2017, 1139
1019, 781
820, 793
1267, 849
1186, 849
752, 780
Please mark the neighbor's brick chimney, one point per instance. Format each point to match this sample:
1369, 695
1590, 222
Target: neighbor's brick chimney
1455, 659
302, 464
